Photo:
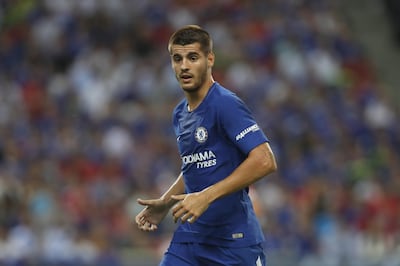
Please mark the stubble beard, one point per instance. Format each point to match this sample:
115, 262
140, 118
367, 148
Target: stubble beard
198, 83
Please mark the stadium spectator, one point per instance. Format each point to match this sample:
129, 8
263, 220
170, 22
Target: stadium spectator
223, 152
73, 74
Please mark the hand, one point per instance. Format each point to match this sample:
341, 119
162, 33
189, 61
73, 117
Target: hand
190, 206
154, 212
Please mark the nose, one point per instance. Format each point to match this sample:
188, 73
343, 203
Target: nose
184, 64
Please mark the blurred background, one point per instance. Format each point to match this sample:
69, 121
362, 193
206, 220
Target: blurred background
86, 94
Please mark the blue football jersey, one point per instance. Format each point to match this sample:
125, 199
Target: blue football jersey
213, 140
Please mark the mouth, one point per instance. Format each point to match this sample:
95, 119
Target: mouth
185, 77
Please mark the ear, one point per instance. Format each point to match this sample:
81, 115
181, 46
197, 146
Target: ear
210, 59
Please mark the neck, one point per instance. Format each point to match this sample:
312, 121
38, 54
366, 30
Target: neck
195, 98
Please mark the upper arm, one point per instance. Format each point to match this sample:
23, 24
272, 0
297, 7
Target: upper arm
239, 124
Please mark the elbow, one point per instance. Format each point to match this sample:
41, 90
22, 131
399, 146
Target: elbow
264, 159
274, 167
269, 166
268, 162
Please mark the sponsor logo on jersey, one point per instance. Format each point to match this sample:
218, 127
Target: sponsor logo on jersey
244, 132
201, 134
201, 159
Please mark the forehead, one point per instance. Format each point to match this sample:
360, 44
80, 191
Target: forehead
177, 49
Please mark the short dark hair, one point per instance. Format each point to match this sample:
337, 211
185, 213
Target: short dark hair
192, 34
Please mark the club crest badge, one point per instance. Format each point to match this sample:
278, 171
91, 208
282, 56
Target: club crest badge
201, 134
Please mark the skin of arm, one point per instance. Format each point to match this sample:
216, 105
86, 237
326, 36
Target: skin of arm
156, 209
189, 64
259, 163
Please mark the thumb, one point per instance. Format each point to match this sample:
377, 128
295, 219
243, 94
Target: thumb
178, 197
145, 202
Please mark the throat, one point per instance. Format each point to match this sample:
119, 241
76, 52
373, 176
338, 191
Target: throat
193, 103
192, 108
194, 99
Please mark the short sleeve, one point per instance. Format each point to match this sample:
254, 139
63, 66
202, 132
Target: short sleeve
239, 124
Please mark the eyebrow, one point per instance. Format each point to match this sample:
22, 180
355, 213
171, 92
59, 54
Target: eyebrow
188, 54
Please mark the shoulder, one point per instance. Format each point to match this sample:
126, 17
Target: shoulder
180, 106
224, 98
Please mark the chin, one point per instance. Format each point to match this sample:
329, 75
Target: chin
189, 88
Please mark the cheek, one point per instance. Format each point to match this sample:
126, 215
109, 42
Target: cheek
175, 67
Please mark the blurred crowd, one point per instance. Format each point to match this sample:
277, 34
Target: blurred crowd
392, 8
86, 95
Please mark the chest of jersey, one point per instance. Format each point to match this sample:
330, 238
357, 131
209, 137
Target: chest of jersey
196, 138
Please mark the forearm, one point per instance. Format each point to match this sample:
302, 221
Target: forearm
178, 187
258, 164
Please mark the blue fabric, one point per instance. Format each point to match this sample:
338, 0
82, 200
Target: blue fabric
193, 254
213, 141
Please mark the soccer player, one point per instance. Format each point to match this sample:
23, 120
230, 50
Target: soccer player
223, 152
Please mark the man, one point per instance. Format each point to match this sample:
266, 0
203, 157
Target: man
223, 152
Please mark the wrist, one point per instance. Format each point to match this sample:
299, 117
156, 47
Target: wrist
168, 201
210, 195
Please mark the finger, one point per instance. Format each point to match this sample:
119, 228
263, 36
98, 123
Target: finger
174, 215
144, 224
141, 223
142, 220
147, 226
151, 227
177, 212
176, 208
192, 219
139, 219
186, 217
144, 202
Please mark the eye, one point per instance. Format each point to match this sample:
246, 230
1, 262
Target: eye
177, 58
193, 57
